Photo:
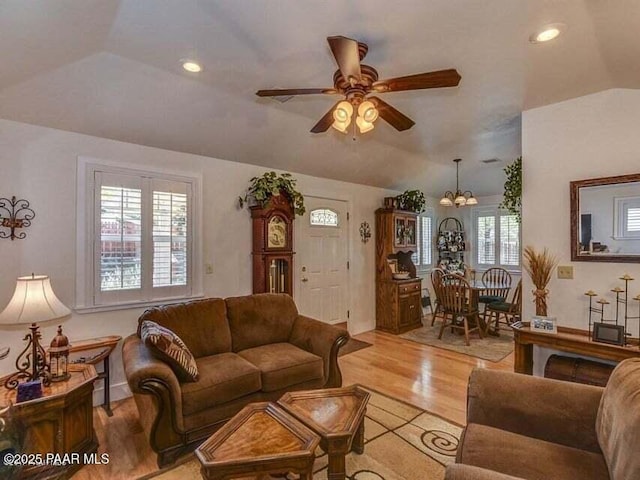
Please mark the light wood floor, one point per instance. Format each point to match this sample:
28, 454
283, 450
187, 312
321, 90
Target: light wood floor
431, 378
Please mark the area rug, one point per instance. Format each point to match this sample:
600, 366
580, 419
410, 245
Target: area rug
353, 345
402, 442
489, 348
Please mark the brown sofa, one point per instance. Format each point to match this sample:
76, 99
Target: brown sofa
247, 349
523, 427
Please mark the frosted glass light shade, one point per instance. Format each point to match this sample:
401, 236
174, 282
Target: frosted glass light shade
363, 125
472, 200
460, 201
446, 202
340, 126
367, 111
33, 301
343, 112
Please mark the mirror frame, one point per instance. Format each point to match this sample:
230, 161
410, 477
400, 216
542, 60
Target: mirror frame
575, 187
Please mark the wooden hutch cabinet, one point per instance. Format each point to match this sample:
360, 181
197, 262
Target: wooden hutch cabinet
398, 305
273, 246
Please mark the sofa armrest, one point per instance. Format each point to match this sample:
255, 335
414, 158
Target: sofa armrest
323, 340
467, 472
551, 410
147, 375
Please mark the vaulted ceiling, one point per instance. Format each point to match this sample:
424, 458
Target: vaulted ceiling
112, 69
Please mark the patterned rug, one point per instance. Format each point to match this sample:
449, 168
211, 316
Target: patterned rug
489, 348
402, 442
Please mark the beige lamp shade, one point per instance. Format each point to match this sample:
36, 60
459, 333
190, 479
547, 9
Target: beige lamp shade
33, 302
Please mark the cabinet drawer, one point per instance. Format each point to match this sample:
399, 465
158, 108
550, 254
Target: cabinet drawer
409, 288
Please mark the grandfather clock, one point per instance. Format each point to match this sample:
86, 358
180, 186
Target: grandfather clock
273, 246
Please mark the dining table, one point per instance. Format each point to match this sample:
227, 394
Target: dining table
478, 286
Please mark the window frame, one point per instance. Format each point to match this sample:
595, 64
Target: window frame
496, 212
428, 213
621, 207
88, 293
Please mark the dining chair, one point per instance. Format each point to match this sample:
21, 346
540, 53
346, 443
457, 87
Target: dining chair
498, 281
436, 282
459, 313
511, 310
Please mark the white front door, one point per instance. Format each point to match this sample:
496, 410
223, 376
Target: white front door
321, 260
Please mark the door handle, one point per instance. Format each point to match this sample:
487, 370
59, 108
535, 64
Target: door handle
305, 279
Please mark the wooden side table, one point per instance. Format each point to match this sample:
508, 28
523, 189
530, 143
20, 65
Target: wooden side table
566, 340
261, 439
99, 349
61, 421
337, 415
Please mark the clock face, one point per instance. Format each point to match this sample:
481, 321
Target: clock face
277, 233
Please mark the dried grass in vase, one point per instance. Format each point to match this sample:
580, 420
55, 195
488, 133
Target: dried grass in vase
539, 266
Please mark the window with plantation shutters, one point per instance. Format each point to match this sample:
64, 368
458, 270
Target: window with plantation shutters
141, 245
627, 218
497, 239
422, 256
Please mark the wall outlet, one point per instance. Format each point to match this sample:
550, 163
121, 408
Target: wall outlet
208, 268
565, 272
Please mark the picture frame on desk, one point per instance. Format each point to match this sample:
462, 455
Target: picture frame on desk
608, 333
544, 324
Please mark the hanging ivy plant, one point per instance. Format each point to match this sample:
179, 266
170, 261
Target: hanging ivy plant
412, 200
262, 188
512, 199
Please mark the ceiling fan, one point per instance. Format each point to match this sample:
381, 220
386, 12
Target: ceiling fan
357, 82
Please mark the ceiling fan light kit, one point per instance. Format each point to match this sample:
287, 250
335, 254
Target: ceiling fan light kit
459, 198
356, 81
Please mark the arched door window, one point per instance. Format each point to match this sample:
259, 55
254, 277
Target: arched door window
323, 217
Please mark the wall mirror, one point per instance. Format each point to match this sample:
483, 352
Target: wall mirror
605, 219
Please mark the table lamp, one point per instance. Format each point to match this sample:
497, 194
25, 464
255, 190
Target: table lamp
33, 301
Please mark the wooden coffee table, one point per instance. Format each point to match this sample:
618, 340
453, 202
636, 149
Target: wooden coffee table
337, 415
261, 439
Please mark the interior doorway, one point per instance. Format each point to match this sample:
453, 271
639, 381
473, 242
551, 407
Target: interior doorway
322, 246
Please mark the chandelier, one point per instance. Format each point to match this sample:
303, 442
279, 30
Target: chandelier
459, 198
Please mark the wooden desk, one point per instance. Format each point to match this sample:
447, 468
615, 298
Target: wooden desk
566, 340
59, 422
99, 349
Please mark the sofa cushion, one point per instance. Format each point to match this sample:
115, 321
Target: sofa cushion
527, 457
260, 319
282, 365
201, 324
170, 348
618, 421
223, 377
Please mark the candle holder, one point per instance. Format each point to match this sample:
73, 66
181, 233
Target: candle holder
620, 319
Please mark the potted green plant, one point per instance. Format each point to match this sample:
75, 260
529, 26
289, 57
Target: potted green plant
270, 184
512, 199
412, 200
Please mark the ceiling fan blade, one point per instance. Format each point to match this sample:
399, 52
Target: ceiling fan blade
325, 122
295, 91
393, 117
439, 79
345, 51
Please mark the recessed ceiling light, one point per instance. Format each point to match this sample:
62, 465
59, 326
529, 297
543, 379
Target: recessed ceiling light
191, 66
547, 33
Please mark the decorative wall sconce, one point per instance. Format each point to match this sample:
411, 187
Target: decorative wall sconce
14, 214
365, 232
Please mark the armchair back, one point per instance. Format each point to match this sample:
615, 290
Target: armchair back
618, 421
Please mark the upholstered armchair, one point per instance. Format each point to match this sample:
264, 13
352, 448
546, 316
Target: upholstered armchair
531, 428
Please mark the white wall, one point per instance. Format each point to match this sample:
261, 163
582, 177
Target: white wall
39, 164
587, 137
